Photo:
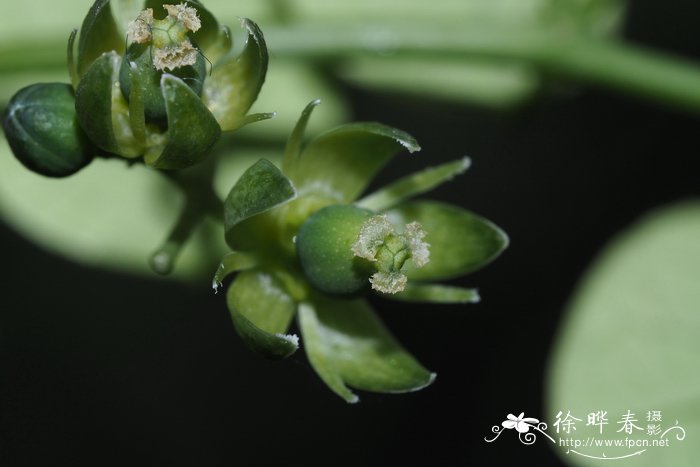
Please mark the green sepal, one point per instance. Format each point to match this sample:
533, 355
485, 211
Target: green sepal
292, 151
460, 241
206, 35
230, 264
220, 47
235, 81
98, 34
137, 95
262, 311
42, 129
262, 187
413, 185
435, 293
70, 59
340, 163
252, 118
192, 129
93, 101
348, 345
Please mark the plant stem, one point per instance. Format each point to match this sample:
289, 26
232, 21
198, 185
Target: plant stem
608, 62
200, 201
163, 260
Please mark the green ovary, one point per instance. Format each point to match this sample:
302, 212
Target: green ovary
343, 249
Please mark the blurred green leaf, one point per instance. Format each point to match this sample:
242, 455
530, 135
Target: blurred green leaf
349, 346
262, 312
460, 241
629, 338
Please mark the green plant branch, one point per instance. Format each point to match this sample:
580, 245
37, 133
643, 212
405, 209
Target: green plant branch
163, 259
619, 65
607, 62
200, 200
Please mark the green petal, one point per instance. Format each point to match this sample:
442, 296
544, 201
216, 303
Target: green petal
98, 34
262, 187
349, 346
262, 312
206, 35
460, 241
43, 132
414, 185
340, 163
93, 101
192, 129
236, 81
435, 293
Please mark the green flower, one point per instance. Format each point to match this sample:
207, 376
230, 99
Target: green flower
152, 81
306, 246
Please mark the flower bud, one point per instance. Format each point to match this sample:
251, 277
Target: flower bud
159, 46
137, 66
162, 85
41, 127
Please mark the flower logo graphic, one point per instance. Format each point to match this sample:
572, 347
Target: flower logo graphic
521, 424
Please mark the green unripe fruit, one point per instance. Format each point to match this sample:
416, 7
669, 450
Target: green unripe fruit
42, 129
137, 65
324, 245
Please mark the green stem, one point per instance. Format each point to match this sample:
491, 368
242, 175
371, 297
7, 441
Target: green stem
163, 259
200, 201
607, 62
619, 65
435, 293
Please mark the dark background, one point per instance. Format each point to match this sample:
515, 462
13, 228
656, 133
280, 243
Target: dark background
104, 369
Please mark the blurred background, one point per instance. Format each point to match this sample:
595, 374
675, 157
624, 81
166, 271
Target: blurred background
103, 363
